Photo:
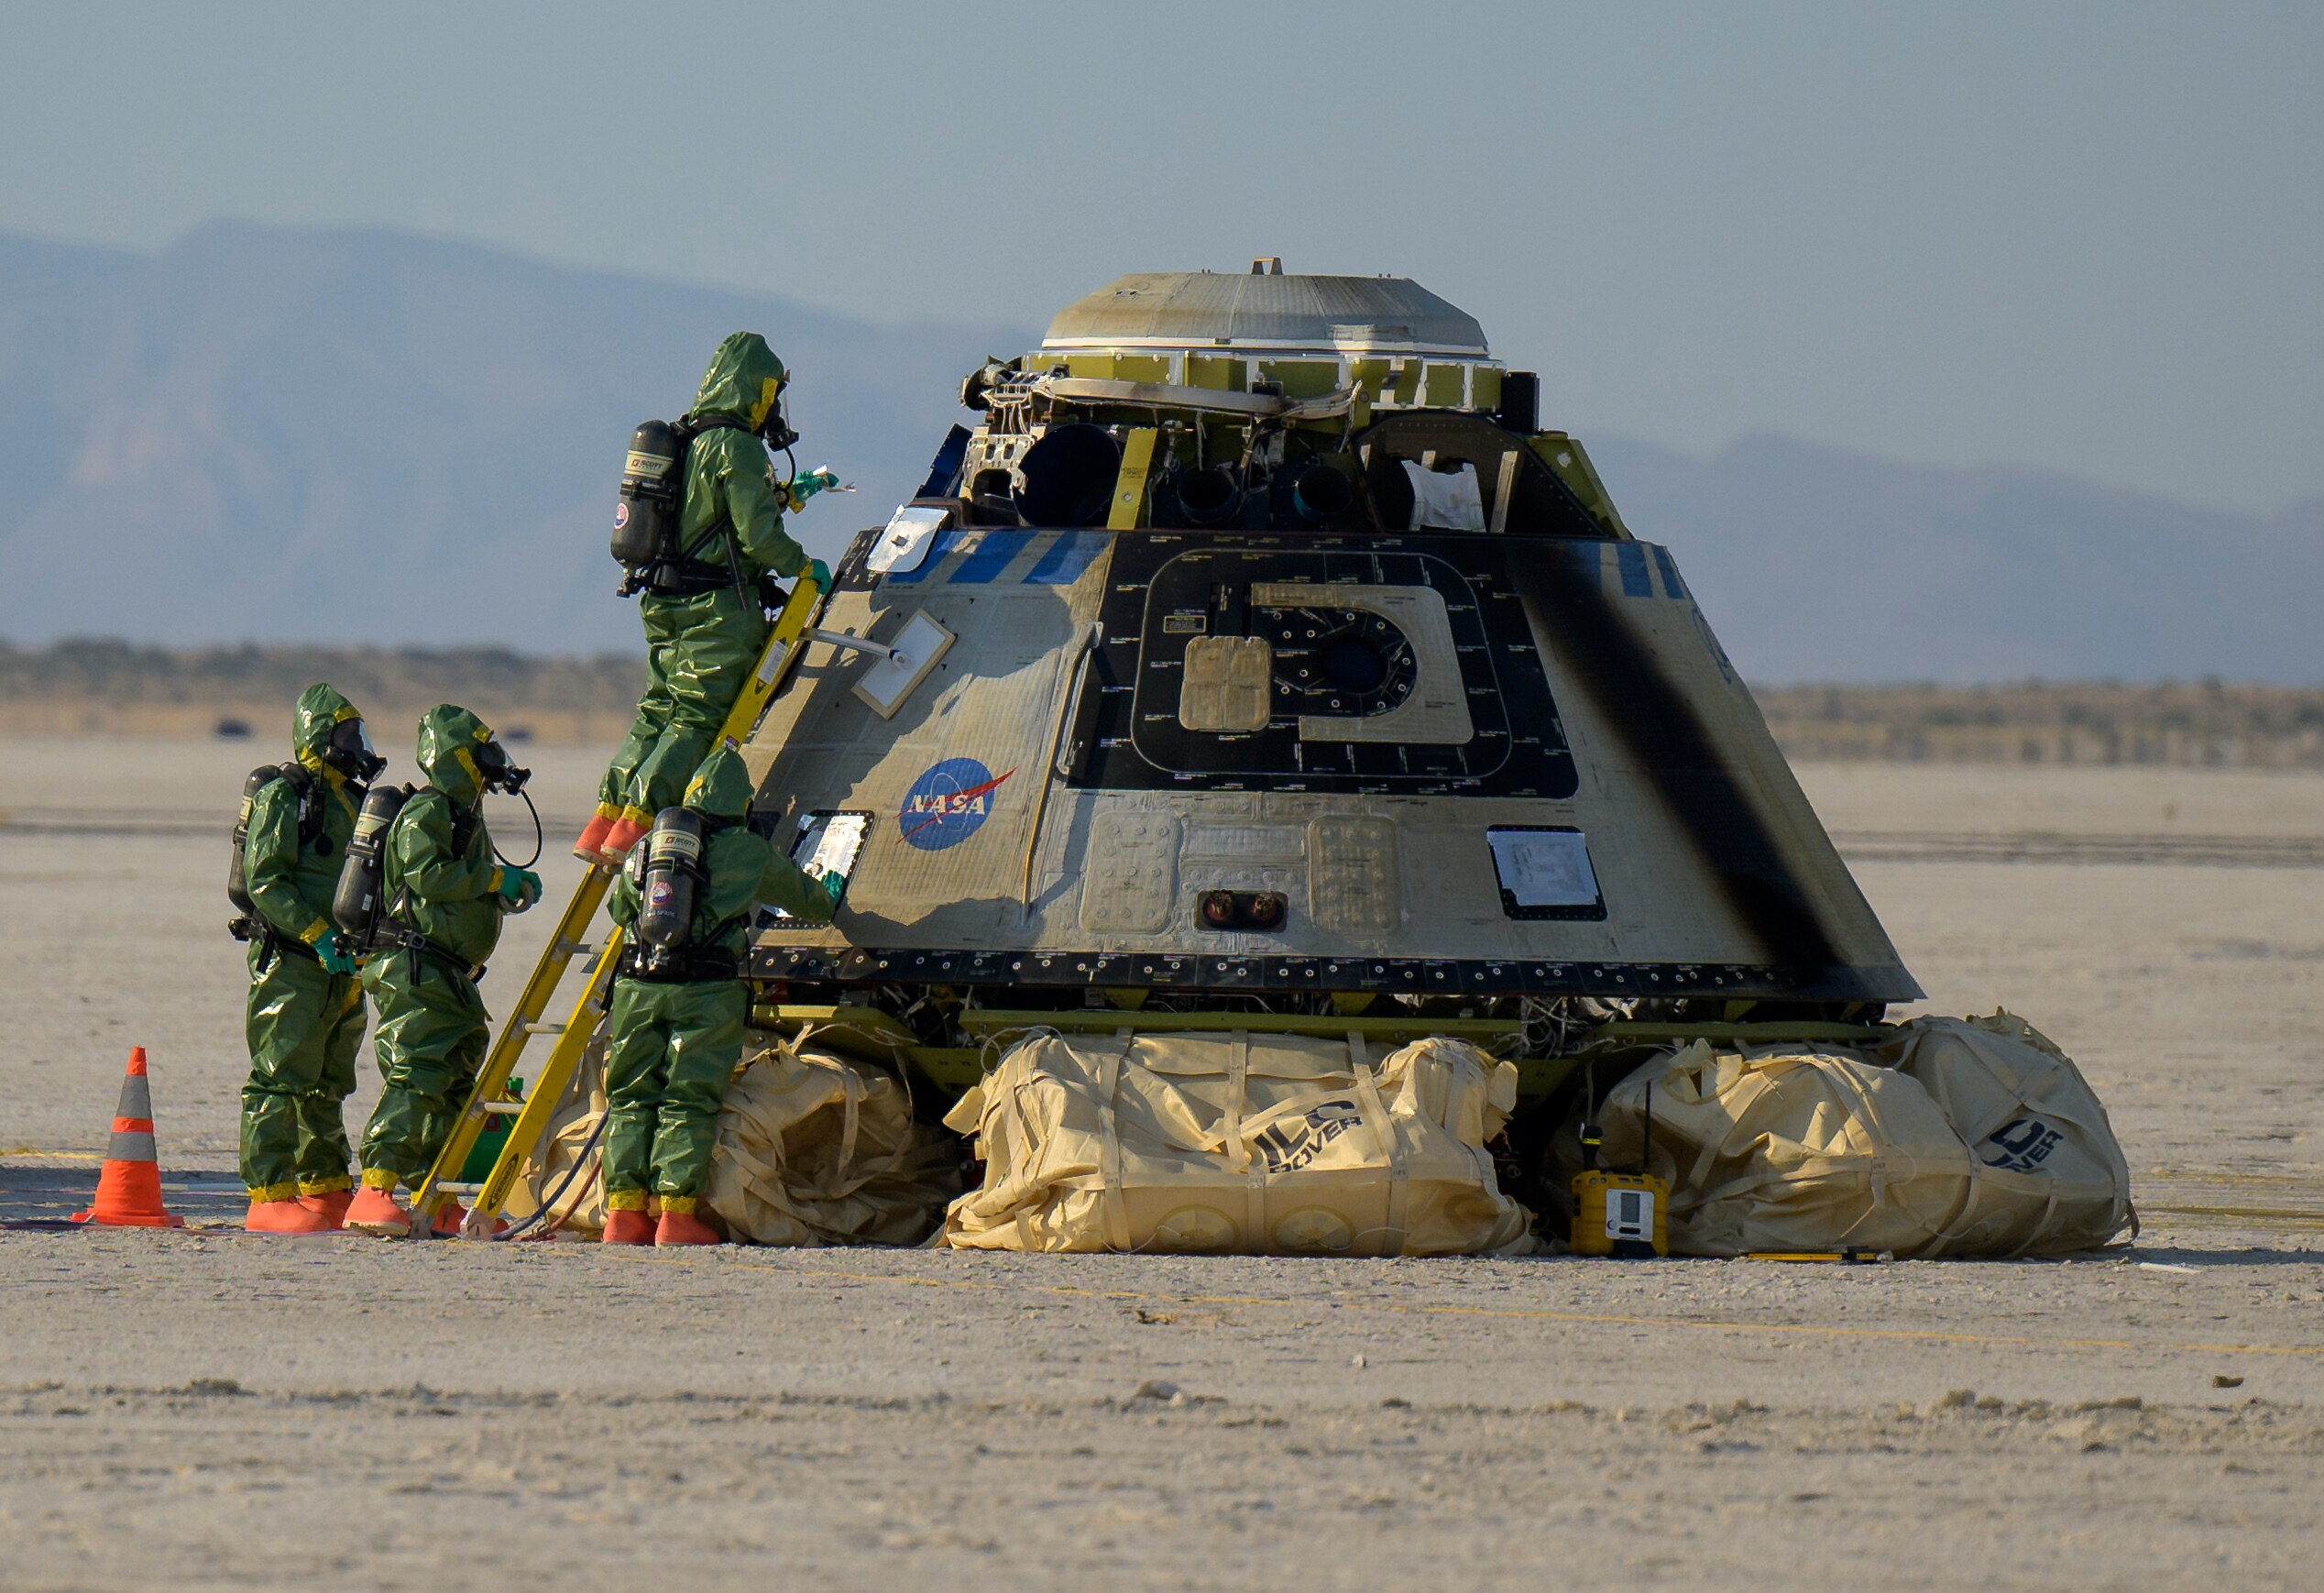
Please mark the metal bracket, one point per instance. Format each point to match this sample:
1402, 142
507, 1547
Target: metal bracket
853, 643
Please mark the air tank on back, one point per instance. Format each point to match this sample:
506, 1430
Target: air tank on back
1261, 654
672, 875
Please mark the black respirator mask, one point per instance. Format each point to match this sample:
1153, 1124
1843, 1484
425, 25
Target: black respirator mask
350, 752
499, 774
776, 428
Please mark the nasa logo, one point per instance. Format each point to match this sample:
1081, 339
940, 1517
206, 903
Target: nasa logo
947, 804
621, 515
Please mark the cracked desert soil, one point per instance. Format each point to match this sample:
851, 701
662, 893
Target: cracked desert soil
205, 1408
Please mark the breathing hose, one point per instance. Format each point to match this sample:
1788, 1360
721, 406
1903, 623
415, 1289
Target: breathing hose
549, 1200
538, 836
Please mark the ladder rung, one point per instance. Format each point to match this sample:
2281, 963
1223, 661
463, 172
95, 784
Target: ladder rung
460, 1189
579, 947
544, 1028
504, 1108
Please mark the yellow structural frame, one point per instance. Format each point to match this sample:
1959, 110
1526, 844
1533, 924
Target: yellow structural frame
1129, 489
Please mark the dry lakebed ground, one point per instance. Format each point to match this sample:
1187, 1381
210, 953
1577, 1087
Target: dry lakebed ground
204, 1408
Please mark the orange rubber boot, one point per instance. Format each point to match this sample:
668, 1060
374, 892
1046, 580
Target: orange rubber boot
330, 1204
628, 1228
591, 847
375, 1211
683, 1228
621, 838
287, 1216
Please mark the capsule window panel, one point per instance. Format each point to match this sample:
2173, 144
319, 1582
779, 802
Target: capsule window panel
1544, 872
827, 843
903, 545
916, 651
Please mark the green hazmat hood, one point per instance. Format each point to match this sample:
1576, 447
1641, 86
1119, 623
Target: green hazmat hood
319, 711
721, 787
743, 378
450, 738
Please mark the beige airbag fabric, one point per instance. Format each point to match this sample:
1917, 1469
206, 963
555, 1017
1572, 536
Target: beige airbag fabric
813, 1149
1245, 1143
1955, 1138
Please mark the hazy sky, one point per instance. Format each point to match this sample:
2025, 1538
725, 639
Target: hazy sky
2089, 238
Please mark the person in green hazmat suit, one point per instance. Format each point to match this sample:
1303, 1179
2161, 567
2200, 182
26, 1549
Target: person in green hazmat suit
705, 619
304, 1019
445, 898
677, 1019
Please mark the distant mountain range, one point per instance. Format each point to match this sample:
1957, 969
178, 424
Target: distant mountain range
369, 437
321, 437
1815, 564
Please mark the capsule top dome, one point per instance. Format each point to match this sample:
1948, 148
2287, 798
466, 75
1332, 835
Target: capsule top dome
1185, 310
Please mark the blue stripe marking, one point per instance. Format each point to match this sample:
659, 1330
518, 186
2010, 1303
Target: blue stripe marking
946, 541
990, 558
1672, 586
1067, 559
1586, 562
1636, 582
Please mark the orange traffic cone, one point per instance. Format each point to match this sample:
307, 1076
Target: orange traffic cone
129, 1184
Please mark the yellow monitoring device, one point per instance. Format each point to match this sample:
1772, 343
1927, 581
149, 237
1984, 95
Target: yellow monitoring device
1622, 1214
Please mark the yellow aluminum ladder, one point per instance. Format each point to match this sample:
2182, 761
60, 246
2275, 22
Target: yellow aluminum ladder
491, 1098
